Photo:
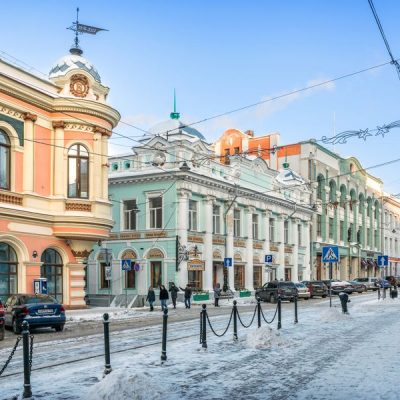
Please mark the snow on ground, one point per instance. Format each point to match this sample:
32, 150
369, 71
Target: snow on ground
327, 355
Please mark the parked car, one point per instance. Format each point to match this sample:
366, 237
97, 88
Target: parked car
39, 310
316, 288
270, 291
368, 282
358, 287
382, 283
2, 326
302, 291
339, 286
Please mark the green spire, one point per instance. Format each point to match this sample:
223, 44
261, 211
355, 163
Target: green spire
174, 115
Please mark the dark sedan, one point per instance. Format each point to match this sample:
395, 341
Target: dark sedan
39, 310
358, 287
317, 288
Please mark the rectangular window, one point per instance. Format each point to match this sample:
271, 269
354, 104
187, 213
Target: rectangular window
286, 232
341, 226
377, 239
299, 238
257, 276
155, 208
319, 225
195, 280
255, 226
155, 274
368, 236
130, 210
104, 283
331, 227
351, 232
236, 222
192, 215
239, 277
272, 230
216, 219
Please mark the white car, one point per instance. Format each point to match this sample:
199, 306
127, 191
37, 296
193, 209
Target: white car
303, 292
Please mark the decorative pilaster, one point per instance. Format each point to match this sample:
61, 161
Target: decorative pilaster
104, 166
295, 242
28, 166
59, 182
208, 245
265, 217
96, 170
229, 247
307, 259
182, 230
249, 277
280, 272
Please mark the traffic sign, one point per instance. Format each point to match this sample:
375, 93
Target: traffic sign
227, 262
126, 265
268, 258
383, 261
330, 254
136, 267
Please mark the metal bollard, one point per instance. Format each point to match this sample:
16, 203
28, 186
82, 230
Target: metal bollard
259, 312
235, 336
106, 325
203, 322
27, 367
279, 312
379, 293
295, 310
164, 335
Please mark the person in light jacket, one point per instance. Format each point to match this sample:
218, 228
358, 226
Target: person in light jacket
217, 294
151, 297
188, 295
174, 293
164, 296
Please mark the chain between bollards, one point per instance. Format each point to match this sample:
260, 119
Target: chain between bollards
164, 336
203, 316
296, 320
106, 324
235, 336
27, 367
279, 312
258, 312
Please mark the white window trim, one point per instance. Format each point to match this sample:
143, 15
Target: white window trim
149, 196
122, 216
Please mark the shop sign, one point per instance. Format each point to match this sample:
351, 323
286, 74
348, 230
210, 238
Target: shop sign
195, 265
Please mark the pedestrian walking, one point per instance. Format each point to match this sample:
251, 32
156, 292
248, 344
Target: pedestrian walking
217, 294
174, 293
344, 299
164, 296
188, 295
151, 297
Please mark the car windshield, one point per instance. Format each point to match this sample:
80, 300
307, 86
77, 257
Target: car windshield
38, 299
286, 284
317, 283
300, 285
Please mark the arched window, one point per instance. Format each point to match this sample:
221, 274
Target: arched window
8, 271
332, 191
78, 172
343, 194
361, 203
321, 187
52, 270
4, 161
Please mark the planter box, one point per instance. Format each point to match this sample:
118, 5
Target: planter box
201, 297
246, 293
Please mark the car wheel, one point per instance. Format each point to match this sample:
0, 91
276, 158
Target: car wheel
324, 296
16, 328
59, 328
307, 298
364, 289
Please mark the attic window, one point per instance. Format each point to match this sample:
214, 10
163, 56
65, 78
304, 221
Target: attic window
115, 167
127, 164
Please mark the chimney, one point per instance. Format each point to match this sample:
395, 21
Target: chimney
250, 133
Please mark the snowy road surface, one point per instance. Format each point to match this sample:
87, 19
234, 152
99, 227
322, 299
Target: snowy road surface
327, 355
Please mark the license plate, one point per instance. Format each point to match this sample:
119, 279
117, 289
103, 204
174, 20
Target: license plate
45, 311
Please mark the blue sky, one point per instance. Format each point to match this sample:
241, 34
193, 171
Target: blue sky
221, 55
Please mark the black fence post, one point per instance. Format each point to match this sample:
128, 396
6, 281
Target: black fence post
295, 310
106, 325
235, 336
164, 335
379, 292
27, 365
259, 312
279, 312
203, 323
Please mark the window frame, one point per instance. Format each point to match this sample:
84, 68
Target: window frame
130, 212
193, 215
216, 219
6, 146
255, 226
236, 222
78, 158
153, 210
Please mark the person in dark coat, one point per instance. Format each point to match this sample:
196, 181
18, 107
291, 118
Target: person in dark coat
217, 294
164, 296
151, 297
188, 295
174, 293
344, 299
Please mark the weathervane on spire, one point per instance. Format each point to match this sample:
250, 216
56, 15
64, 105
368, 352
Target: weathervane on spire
79, 29
175, 114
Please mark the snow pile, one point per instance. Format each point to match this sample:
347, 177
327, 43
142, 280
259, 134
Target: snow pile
264, 338
124, 385
334, 314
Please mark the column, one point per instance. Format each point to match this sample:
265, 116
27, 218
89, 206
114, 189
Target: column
208, 245
249, 278
305, 230
28, 169
265, 218
182, 230
280, 273
104, 165
59, 185
229, 247
96, 170
294, 236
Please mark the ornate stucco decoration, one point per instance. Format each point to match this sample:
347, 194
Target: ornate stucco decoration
79, 85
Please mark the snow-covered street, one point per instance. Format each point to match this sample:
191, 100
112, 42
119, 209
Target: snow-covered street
327, 355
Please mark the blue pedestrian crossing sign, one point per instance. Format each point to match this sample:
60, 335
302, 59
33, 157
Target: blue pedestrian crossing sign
330, 254
383, 261
126, 265
268, 258
227, 262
